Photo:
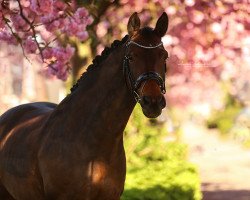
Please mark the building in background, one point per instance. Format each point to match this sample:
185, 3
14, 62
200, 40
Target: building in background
21, 82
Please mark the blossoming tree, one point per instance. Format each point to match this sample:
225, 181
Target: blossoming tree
37, 26
207, 41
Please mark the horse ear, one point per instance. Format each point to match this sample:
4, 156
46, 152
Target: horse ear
133, 24
162, 25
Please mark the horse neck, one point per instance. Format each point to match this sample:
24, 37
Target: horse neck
102, 102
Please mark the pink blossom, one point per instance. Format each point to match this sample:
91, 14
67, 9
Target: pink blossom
171, 10
7, 37
52, 71
25, 3
29, 45
81, 13
63, 73
59, 5
71, 27
59, 54
216, 27
82, 35
59, 69
49, 17
69, 52
50, 22
2, 24
47, 72
76, 25
41, 7
56, 24
60, 58
63, 55
89, 20
56, 69
18, 22
196, 16
189, 2
81, 16
55, 21
47, 53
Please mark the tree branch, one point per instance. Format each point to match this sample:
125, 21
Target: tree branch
32, 28
16, 36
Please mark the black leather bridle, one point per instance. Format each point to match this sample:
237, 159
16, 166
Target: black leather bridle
134, 84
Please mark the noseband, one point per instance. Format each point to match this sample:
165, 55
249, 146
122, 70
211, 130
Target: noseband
134, 84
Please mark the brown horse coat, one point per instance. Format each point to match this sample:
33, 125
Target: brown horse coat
74, 150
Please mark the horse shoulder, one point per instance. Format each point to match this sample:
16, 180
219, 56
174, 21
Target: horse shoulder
20, 137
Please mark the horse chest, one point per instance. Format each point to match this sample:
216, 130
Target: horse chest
97, 172
106, 181
94, 179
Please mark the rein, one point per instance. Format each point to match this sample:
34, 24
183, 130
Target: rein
134, 84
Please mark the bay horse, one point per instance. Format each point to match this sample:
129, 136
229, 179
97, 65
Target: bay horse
74, 150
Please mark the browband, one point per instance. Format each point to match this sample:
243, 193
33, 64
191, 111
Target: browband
145, 47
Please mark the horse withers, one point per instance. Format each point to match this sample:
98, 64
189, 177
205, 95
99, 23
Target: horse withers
74, 150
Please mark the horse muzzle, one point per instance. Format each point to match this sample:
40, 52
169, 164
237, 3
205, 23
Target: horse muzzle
152, 106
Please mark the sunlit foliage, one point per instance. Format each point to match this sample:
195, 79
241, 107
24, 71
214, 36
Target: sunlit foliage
157, 166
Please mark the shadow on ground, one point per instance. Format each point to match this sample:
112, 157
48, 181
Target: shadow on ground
227, 195
212, 191
215, 192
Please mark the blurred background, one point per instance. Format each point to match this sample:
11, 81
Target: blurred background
199, 148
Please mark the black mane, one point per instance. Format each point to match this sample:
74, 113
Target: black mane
99, 58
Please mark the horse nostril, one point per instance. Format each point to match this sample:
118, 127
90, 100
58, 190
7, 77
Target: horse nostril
146, 100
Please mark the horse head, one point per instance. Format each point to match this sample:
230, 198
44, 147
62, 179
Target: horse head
145, 64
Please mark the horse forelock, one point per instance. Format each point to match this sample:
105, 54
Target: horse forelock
146, 35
